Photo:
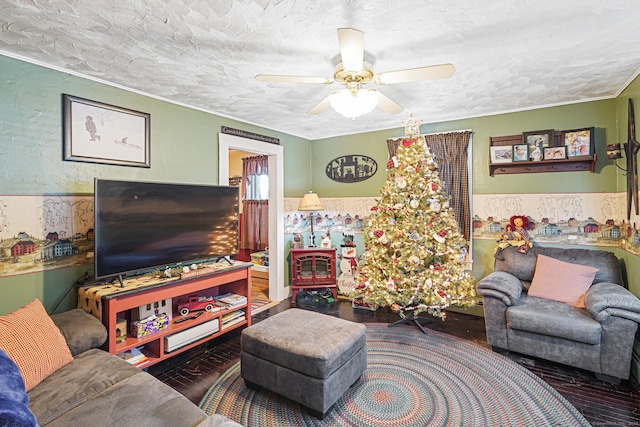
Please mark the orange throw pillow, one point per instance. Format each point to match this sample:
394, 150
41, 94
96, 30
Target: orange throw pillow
34, 342
561, 281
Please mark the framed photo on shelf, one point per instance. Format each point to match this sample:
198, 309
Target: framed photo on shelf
101, 133
520, 153
537, 141
579, 142
555, 153
501, 153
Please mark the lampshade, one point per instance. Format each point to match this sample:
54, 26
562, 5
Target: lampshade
310, 202
354, 103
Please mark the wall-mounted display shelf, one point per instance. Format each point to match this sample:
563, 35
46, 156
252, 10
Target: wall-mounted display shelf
569, 164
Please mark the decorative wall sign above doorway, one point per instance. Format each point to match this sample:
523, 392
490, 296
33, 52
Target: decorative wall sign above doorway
351, 168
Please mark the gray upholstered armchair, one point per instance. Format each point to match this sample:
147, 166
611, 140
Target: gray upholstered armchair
598, 338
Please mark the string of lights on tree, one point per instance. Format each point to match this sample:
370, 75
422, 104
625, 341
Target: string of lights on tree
415, 257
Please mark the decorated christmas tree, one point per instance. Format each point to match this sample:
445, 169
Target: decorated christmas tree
415, 255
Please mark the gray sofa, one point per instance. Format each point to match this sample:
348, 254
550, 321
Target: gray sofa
598, 338
100, 389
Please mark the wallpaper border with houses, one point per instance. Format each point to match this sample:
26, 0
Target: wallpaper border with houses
590, 219
43, 232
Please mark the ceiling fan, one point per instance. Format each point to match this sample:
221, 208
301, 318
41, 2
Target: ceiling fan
354, 73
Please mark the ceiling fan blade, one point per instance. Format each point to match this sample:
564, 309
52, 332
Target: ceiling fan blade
387, 105
351, 49
431, 72
274, 78
320, 106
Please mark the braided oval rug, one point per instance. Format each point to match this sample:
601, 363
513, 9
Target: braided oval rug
412, 379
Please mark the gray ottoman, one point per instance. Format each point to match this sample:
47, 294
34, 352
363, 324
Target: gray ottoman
308, 357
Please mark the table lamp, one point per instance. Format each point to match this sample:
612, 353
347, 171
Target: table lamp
311, 202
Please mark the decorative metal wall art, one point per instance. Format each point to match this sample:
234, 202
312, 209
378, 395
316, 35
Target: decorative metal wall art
631, 151
351, 168
250, 135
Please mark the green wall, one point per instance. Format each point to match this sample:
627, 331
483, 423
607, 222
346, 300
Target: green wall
631, 262
599, 114
603, 115
184, 148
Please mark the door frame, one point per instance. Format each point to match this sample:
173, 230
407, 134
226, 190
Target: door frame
276, 201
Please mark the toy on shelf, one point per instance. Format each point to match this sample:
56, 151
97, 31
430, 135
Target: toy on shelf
150, 325
196, 303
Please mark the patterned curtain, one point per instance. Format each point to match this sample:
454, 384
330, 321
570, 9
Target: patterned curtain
392, 146
450, 153
255, 213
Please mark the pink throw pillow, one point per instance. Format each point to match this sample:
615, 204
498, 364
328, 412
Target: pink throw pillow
561, 281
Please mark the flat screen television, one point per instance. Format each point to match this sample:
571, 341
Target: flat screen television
141, 226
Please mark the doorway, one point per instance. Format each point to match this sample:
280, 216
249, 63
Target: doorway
276, 201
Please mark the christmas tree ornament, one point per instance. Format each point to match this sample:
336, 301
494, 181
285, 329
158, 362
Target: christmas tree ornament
389, 164
408, 142
414, 203
437, 237
401, 182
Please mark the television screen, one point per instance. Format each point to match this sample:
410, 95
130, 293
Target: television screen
140, 226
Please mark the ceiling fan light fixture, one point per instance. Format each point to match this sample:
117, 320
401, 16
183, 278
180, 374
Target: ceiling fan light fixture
352, 104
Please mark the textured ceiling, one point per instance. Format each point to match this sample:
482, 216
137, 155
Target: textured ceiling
509, 55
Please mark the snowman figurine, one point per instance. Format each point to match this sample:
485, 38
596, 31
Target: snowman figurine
348, 269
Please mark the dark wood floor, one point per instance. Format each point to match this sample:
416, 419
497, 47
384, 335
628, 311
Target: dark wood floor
603, 404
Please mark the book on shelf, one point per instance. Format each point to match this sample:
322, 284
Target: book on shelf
142, 362
232, 315
133, 356
230, 300
233, 321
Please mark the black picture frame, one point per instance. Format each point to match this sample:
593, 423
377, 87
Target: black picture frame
555, 153
537, 141
579, 142
96, 132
